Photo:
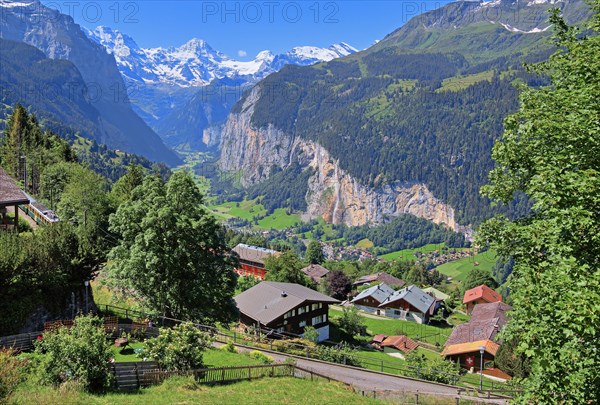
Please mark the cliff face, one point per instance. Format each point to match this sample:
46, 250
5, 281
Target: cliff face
332, 193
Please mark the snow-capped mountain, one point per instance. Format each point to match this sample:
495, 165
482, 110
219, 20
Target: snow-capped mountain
196, 63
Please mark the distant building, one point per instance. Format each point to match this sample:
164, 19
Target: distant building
380, 278
399, 344
463, 344
440, 296
10, 196
410, 304
480, 295
316, 272
252, 260
370, 299
285, 307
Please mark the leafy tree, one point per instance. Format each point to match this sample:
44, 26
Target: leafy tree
172, 254
478, 276
245, 282
311, 334
438, 370
549, 151
11, 373
314, 253
80, 353
352, 322
517, 365
286, 268
122, 190
179, 349
338, 284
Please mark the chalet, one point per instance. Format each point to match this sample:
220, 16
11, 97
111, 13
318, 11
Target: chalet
480, 295
440, 296
380, 278
399, 344
10, 196
370, 299
316, 272
464, 343
252, 260
411, 304
377, 341
285, 307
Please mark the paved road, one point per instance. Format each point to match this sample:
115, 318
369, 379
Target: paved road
368, 381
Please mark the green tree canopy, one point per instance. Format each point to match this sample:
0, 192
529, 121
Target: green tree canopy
551, 151
285, 268
476, 277
172, 254
314, 253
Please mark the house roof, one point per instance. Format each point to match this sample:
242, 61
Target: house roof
381, 277
482, 291
269, 300
402, 343
486, 321
378, 338
10, 193
414, 296
379, 292
315, 271
471, 347
253, 253
436, 293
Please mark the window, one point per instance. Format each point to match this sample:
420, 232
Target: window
317, 306
319, 319
302, 324
301, 310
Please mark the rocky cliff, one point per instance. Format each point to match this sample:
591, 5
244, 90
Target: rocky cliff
332, 193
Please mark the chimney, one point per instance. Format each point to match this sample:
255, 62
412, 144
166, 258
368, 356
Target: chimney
283, 294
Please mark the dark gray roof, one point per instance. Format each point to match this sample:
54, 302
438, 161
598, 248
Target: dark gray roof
414, 296
253, 253
315, 271
10, 193
380, 292
269, 300
486, 321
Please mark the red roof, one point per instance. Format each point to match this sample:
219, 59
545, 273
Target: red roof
379, 338
402, 343
482, 292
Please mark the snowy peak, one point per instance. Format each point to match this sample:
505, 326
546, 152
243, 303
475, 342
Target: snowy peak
196, 63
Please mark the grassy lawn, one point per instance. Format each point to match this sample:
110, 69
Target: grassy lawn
364, 244
103, 295
409, 254
462, 82
459, 269
279, 220
425, 333
183, 390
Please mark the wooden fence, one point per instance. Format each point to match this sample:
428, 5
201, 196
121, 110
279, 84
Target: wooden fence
134, 375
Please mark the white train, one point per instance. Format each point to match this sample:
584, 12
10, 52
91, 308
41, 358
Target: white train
39, 212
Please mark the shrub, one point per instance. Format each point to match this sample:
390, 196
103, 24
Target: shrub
342, 354
352, 322
10, 374
260, 356
179, 349
311, 334
438, 370
229, 347
80, 354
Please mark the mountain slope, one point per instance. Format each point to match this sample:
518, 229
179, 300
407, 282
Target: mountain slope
406, 126
185, 93
58, 37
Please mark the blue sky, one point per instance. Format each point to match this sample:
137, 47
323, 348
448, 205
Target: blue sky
241, 29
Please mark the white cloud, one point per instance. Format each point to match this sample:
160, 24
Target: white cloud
242, 53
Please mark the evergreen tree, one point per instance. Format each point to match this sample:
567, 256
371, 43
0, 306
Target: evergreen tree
314, 253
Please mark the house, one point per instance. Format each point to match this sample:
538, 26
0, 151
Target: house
380, 278
252, 260
399, 344
370, 299
315, 271
411, 304
285, 307
480, 295
10, 196
440, 296
463, 344
377, 341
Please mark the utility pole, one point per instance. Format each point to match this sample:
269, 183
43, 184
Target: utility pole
24, 163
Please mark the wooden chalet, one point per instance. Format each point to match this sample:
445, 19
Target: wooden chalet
285, 308
463, 344
410, 304
480, 295
316, 272
398, 344
381, 277
370, 299
252, 260
10, 196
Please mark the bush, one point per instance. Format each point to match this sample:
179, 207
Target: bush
352, 322
263, 358
179, 349
229, 347
438, 370
342, 354
80, 354
311, 334
10, 374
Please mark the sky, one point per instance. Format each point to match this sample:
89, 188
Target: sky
241, 29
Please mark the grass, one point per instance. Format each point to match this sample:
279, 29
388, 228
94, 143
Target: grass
409, 254
104, 295
251, 209
279, 219
365, 244
462, 82
425, 333
183, 390
459, 269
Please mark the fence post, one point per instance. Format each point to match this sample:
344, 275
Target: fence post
382, 366
307, 354
222, 374
417, 398
234, 337
271, 344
